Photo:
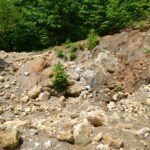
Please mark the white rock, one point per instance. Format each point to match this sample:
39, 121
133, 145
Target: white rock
44, 96
111, 105
26, 73
7, 86
48, 144
90, 78
102, 147
1, 79
143, 131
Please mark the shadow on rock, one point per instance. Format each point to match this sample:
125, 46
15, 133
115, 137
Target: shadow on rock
3, 64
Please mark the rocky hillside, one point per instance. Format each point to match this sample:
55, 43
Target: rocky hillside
105, 107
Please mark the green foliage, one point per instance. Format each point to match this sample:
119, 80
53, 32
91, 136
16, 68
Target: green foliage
38, 24
118, 88
92, 39
72, 55
60, 53
60, 81
68, 43
147, 51
73, 51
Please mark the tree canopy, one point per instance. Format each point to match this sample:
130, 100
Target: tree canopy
38, 24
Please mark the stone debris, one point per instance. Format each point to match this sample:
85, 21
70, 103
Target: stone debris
9, 137
105, 107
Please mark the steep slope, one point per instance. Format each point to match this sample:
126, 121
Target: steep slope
107, 97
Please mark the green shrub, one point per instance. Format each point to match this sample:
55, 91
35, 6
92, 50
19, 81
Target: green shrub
60, 81
65, 58
118, 88
60, 54
92, 39
73, 51
73, 55
147, 51
73, 47
68, 43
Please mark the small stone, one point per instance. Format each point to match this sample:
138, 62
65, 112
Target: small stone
75, 90
27, 110
9, 137
44, 96
98, 137
144, 143
120, 95
143, 131
111, 105
82, 133
97, 118
48, 144
26, 73
62, 99
36, 144
1, 79
111, 141
25, 99
16, 123
13, 96
1, 110
7, 95
148, 102
34, 92
74, 76
65, 136
2, 94
7, 86
102, 147
125, 126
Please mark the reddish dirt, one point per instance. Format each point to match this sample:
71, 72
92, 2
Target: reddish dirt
135, 73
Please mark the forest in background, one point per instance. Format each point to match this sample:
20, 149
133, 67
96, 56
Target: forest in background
38, 24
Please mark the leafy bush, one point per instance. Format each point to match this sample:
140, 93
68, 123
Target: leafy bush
38, 24
60, 53
72, 55
73, 51
60, 81
147, 51
92, 39
68, 43
118, 88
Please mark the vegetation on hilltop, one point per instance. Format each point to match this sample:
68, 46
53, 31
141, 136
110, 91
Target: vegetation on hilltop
30, 25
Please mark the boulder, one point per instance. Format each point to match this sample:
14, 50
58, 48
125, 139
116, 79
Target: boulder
75, 90
35, 65
34, 92
90, 79
9, 137
111, 141
82, 132
1, 79
44, 96
97, 118
66, 136
24, 99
